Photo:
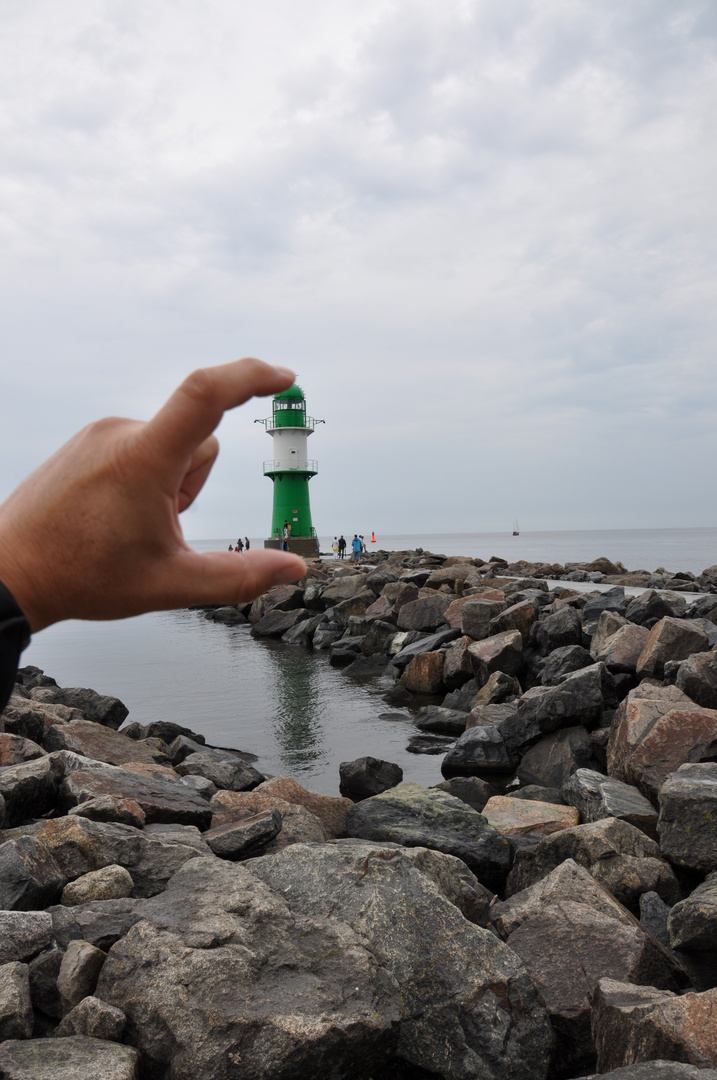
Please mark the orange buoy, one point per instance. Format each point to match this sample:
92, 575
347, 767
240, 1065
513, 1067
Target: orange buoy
373, 537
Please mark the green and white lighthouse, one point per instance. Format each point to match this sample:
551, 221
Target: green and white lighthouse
290, 471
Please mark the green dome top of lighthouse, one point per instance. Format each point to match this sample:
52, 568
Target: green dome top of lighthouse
294, 393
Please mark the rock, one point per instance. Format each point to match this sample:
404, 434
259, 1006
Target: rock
563, 661
429, 643
469, 1011
298, 825
498, 689
567, 881
564, 627
692, 922
677, 737
229, 773
44, 970
478, 750
501, 652
163, 850
100, 743
414, 816
377, 638
341, 588
239, 838
224, 937
79, 971
476, 616
537, 793
469, 789
650, 607
613, 600
424, 674
16, 1020
101, 922
669, 639
357, 605
29, 876
633, 720
161, 800
656, 1070
442, 721
30, 788
15, 749
514, 817
632, 1025
93, 1019
621, 652
553, 760
580, 698
229, 616
617, 855
425, 613
74, 1058
366, 776
454, 612
567, 948
517, 733
277, 622
597, 796
520, 617
110, 883
23, 934
607, 626
399, 593
697, 677
457, 667
653, 916
103, 709
329, 809
687, 824
281, 598
112, 808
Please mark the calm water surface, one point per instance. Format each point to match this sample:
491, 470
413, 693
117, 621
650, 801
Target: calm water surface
285, 703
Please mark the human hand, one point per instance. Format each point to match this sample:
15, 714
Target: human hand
94, 532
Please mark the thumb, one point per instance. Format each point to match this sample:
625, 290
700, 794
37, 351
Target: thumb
217, 577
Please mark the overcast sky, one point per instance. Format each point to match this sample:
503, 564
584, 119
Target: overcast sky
481, 231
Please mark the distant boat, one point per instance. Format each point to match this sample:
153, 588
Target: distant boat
516, 530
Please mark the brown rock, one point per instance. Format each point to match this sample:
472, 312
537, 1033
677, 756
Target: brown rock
400, 593
679, 737
379, 609
298, 825
161, 800
607, 626
424, 674
477, 613
15, 1006
79, 972
111, 882
670, 639
623, 650
454, 612
502, 652
634, 718
518, 617
14, 749
100, 743
110, 808
640, 1025
457, 667
515, 817
329, 809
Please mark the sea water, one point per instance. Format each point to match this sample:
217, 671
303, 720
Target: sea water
285, 703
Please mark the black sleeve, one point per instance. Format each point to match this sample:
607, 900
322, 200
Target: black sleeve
14, 636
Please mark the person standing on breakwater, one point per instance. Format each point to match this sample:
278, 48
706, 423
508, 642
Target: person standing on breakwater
356, 548
143, 474
342, 547
247, 545
239, 546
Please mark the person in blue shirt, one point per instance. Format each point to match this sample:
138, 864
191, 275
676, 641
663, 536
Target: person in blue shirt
356, 546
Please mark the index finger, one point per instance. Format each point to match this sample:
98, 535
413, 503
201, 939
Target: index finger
195, 408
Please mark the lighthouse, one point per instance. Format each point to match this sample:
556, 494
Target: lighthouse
290, 470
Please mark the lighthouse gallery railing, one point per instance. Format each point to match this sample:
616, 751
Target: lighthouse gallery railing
294, 466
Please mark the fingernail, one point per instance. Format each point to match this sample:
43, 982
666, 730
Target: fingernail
288, 574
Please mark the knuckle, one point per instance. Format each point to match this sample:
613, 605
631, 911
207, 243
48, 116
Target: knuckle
200, 385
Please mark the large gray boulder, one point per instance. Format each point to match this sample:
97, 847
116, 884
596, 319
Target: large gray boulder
479, 751
29, 876
73, 1058
101, 708
467, 1008
698, 678
597, 796
687, 824
563, 627
221, 979
581, 698
415, 816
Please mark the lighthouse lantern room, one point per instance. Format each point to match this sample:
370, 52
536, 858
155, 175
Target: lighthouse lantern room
290, 470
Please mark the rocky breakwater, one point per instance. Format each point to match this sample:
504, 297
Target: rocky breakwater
579, 740
167, 911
